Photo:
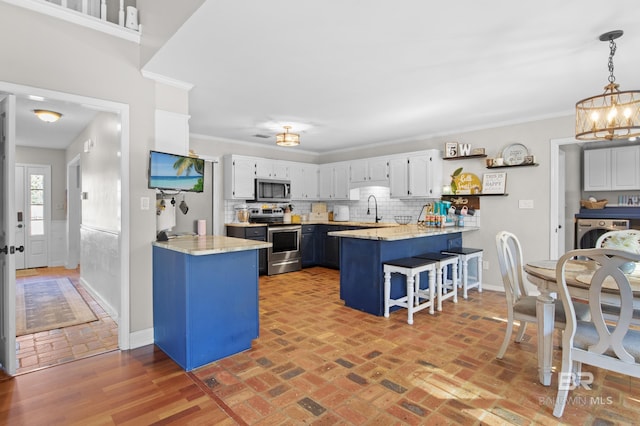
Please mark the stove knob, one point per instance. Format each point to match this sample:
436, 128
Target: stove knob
601, 223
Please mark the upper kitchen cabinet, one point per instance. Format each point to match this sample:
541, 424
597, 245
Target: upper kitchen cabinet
304, 181
417, 174
369, 172
239, 177
272, 169
612, 169
334, 182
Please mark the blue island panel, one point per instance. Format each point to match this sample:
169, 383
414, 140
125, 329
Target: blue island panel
204, 307
361, 268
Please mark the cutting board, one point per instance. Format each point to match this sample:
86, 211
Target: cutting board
319, 208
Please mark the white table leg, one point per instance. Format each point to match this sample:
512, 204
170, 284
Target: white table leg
545, 311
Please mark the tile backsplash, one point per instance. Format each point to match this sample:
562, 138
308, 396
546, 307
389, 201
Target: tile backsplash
387, 207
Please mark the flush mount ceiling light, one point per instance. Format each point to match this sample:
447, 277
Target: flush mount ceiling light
287, 139
47, 116
613, 115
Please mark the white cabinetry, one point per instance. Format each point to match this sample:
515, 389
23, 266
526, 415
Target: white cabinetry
272, 169
612, 169
417, 174
625, 168
304, 181
369, 172
239, 177
334, 182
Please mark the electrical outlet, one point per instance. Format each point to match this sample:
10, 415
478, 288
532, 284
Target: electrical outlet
485, 265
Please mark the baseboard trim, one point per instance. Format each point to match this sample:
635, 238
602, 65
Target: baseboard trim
98, 298
141, 338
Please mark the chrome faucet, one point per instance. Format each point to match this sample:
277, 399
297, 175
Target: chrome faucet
369, 210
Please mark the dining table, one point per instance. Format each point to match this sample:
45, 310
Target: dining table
578, 273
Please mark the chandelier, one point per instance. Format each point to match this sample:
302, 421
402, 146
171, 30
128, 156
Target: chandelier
613, 115
287, 139
47, 116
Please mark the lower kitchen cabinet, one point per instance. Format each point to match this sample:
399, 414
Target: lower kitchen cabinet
310, 245
257, 233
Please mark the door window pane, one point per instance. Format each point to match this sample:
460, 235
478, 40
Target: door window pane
36, 204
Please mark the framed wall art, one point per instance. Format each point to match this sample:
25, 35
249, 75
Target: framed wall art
494, 183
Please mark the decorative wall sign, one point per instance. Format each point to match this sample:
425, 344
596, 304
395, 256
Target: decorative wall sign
451, 149
464, 149
468, 183
494, 183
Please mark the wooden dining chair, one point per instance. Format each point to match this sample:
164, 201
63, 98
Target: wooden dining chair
611, 345
520, 305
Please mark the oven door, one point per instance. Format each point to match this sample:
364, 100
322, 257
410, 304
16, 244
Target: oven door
284, 255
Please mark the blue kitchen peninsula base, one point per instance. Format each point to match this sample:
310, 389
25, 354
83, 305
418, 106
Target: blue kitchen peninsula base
363, 252
205, 307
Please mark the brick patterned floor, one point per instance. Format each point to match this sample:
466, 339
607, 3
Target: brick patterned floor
319, 362
47, 348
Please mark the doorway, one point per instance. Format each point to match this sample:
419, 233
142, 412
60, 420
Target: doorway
33, 215
121, 112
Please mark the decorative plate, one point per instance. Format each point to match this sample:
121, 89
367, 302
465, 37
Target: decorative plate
514, 154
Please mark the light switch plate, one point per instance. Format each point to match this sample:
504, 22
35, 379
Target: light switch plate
525, 204
144, 203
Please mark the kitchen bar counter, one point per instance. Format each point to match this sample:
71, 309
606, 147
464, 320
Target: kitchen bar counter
210, 244
363, 253
205, 297
400, 232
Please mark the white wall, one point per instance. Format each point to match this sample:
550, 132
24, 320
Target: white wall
80, 61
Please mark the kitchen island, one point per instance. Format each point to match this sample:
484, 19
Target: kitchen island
364, 251
205, 297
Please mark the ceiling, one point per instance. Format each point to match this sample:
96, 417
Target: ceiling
348, 74
32, 132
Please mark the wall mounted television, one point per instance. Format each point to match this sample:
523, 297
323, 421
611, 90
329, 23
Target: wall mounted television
174, 172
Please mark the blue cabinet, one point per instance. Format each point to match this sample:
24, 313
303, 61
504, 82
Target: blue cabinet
204, 307
361, 267
310, 245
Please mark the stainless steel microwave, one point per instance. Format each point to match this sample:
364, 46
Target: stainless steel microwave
273, 190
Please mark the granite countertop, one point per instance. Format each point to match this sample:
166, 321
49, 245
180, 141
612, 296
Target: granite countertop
324, 222
401, 232
210, 244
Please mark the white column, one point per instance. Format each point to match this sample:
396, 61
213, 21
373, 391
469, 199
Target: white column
103, 10
121, 14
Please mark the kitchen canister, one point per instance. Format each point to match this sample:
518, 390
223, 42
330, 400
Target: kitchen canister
202, 227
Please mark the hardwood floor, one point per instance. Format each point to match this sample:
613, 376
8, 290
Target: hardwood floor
319, 362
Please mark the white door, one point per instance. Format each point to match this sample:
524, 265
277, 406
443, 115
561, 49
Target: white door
7, 226
20, 217
562, 204
38, 218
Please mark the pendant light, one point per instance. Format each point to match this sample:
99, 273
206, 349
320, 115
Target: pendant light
287, 139
612, 115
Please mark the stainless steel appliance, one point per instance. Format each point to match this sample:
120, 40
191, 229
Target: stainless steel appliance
285, 254
273, 191
588, 230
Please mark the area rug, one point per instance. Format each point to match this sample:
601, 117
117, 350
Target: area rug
30, 272
49, 304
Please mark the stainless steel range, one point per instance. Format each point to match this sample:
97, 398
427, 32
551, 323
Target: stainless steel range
285, 254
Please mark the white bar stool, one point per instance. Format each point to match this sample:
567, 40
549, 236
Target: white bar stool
410, 267
465, 254
442, 262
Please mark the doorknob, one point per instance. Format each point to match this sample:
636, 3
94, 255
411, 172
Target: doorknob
20, 249
4, 250
19, 225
